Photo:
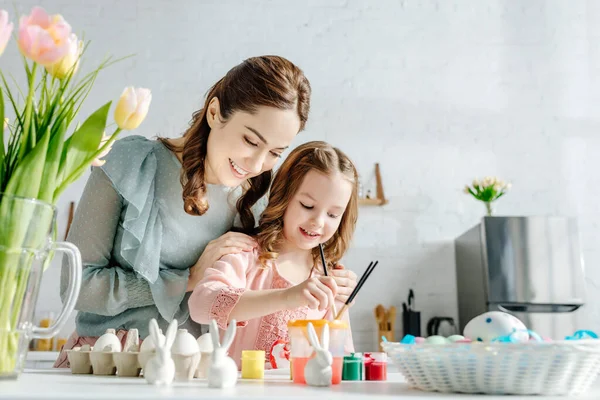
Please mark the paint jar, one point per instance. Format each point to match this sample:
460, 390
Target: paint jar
301, 350
375, 366
253, 364
353, 368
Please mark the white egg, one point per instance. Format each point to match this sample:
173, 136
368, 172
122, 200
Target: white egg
148, 343
205, 343
493, 324
436, 339
185, 343
109, 339
455, 338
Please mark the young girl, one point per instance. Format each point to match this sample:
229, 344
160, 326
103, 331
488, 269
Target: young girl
313, 200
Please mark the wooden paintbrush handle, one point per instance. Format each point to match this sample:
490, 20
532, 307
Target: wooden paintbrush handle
339, 314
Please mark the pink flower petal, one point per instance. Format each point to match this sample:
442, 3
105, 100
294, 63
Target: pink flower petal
44, 38
6, 28
39, 17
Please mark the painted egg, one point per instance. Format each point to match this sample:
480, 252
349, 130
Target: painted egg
185, 343
108, 342
494, 324
436, 339
419, 340
455, 338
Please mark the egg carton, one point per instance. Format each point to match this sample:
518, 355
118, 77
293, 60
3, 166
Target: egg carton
556, 368
108, 358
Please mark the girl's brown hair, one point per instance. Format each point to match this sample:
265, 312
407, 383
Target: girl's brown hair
321, 157
259, 81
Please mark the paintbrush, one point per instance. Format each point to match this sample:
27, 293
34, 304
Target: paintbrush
360, 283
333, 308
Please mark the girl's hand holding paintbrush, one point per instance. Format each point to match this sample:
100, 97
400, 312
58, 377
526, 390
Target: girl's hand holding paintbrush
316, 292
346, 281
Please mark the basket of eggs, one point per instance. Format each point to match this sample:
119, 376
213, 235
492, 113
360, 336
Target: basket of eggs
498, 355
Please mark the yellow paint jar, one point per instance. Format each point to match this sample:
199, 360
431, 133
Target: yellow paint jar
253, 364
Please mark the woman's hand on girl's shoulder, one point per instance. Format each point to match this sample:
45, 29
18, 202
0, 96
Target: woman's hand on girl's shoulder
229, 243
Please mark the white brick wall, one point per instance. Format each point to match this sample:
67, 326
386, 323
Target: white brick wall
438, 92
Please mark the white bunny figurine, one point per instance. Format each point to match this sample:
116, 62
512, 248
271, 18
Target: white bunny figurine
223, 371
160, 369
318, 369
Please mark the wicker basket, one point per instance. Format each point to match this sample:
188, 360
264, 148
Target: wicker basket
549, 368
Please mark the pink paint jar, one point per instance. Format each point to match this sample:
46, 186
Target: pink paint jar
301, 350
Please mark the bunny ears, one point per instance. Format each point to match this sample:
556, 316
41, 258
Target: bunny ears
314, 340
229, 334
169, 337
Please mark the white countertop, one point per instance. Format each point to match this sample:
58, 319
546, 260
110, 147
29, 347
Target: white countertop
42, 356
62, 385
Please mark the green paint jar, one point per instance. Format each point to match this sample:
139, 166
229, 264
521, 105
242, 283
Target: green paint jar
353, 367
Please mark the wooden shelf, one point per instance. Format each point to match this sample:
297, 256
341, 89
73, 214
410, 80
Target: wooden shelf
380, 200
372, 202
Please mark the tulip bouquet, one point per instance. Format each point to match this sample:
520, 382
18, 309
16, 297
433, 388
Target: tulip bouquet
487, 190
46, 147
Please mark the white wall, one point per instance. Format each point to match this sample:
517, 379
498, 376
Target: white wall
438, 92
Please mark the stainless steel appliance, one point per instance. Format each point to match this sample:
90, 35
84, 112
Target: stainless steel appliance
531, 267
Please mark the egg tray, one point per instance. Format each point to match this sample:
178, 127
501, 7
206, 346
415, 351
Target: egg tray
130, 363
532, 368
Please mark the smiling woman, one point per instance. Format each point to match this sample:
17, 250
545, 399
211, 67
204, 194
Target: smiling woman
143, 224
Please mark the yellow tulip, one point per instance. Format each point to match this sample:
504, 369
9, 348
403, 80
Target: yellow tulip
132, 107
70, 62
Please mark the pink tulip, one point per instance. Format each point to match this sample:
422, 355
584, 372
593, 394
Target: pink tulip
6, 28
43, 38
70, 62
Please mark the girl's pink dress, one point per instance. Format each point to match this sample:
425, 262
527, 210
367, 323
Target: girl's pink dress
218, 292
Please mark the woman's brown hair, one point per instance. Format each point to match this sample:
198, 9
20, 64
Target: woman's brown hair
258, 81
317, 156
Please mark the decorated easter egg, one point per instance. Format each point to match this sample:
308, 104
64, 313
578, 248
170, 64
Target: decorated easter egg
419, 340
455, 338
495, 324
108, 342
436, 339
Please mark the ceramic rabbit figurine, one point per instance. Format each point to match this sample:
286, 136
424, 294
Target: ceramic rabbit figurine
223, 371
318, 371
160, 369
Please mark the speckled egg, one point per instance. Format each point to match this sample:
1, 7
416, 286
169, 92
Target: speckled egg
494, 324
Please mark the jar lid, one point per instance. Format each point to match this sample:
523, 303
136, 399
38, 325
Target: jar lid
353, 357
318, 323
253, 354
378, 357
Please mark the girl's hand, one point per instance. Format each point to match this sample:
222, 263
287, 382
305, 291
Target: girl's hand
317, 293
229, 243
345, 280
